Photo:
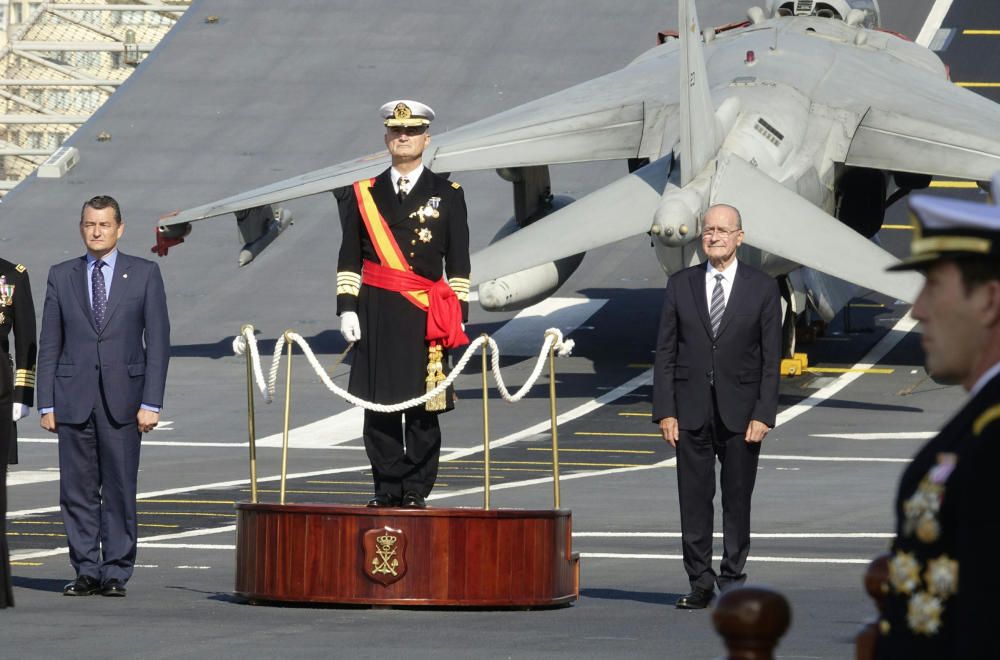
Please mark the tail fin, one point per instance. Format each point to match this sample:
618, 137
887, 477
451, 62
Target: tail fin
699, 136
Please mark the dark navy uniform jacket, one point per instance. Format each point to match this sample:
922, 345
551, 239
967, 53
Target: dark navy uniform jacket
943, 584
17, 371
431, 229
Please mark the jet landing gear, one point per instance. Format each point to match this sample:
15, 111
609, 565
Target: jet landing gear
796, 328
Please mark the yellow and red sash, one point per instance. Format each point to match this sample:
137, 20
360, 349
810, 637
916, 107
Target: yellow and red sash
444, 313
385, 243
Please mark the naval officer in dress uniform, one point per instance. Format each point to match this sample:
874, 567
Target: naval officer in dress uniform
404, 231
943, 586
17, 387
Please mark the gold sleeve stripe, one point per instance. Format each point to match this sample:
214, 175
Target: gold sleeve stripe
464, 297
22, 381
991, 415
459, 283
348, 283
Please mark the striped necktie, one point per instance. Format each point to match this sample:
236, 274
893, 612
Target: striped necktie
718, 306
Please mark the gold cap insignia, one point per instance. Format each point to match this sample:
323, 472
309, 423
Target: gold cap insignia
401, 111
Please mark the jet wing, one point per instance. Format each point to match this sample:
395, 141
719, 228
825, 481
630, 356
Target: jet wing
611, 117
778, 221
933, 127
619, 210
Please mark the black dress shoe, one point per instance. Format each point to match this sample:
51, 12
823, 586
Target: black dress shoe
414, 500
698, 599
114, 588
383, 499
83, 585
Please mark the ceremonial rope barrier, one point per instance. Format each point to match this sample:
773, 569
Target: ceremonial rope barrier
553, 339
245, 344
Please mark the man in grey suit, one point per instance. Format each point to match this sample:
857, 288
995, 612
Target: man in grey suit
715, 395
102, 370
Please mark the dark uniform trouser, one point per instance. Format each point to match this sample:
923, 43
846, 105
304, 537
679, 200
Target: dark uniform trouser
99, 469
398, 467
6, 436
696, 452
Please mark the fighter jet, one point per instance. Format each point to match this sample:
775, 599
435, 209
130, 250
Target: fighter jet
807, 116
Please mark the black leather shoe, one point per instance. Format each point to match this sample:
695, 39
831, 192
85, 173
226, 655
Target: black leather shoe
114, 588
383, 499
698, 599
414, 500
83, 585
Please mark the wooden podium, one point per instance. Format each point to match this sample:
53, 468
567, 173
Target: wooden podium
458, 557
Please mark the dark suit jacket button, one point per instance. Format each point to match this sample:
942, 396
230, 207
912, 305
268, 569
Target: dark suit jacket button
96, 367
714, 346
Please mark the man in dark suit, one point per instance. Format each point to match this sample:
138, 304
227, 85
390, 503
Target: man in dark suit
17, 387
102, 370
404, 231
715, 394
943, 586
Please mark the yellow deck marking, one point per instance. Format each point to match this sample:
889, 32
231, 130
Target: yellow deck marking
192, 501
640, 365
34, 522
563, 450
463, 476
875, 305
155, 525
187, 513
564, 463
954, 184
904, 227
309, 492
987, 33
26, 563
636, 414
978, 84
621, 435
493, 468
33, 534
340, 483
841, 370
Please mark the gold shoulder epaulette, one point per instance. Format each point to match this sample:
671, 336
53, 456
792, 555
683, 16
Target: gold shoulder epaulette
20, 268
991, 415
456, 185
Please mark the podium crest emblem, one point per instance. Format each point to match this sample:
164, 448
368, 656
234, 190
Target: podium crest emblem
385, 554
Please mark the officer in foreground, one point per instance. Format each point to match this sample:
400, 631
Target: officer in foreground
943, 587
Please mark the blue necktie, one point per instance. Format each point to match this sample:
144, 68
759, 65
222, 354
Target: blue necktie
718, 306
99, 293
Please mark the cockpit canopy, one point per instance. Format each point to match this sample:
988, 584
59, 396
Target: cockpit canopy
838, 9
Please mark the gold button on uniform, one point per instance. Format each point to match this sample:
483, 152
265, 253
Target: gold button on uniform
884, 627
413, 242
411, 254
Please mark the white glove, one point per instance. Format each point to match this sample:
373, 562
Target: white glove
350, 327
20, 411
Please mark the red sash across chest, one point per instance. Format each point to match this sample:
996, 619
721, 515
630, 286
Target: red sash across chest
444, 312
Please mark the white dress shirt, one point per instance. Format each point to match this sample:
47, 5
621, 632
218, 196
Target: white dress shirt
728, 277
412, 177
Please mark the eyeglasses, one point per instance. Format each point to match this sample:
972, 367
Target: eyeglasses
719, 231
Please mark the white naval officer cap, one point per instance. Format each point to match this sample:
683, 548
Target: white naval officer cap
946, 228
405, 112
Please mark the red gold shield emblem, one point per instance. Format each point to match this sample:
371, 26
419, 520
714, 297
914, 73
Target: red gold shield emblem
385, 554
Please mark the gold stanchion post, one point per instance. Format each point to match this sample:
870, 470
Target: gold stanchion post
288, 414
555, 430
251, 423
486, 431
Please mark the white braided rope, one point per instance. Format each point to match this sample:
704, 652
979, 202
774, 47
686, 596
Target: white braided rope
553, 337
